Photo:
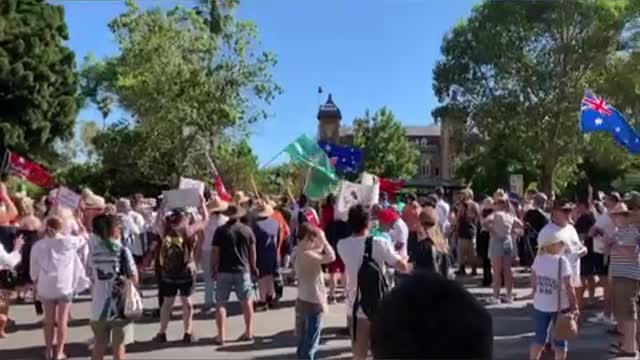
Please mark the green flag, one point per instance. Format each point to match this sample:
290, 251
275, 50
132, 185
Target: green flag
318, 184
321, 177
307, 151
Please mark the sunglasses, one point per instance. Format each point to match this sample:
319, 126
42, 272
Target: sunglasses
427, 224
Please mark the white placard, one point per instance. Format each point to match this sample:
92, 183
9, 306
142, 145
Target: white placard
67, 198
351, 194
187, 183
516, 184
181, 198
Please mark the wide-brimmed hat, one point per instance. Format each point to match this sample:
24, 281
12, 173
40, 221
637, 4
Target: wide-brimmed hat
500, 197
563, 205
92, 200
239, 197
123, 205
262, 209
620, 209
556, 237
217, 205
632, 200
234, 211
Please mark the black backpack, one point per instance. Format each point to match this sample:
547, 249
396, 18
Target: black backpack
372, 286
175, 258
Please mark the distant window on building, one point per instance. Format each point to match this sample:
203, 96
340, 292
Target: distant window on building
423, 142
436, 172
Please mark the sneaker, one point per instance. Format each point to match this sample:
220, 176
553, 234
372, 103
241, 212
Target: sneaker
189, 338
160, 338
493, 301
507, 299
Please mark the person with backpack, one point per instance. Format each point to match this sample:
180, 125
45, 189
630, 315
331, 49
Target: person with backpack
178, 268
432, 251
364, 258
110, 265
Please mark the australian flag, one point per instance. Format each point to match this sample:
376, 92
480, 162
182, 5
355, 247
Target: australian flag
598, 115
345, 159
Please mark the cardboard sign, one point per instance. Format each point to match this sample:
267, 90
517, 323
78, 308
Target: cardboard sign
516, 184
351, 194
187, 183
67, 198
181, 198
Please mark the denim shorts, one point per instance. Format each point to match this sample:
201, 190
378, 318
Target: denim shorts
543, 321
240, 283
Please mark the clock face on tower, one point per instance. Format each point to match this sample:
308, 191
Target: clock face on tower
329, 130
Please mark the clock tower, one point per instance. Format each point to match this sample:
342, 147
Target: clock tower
329, 117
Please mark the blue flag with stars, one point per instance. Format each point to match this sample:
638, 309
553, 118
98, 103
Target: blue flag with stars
345, 159
596, 115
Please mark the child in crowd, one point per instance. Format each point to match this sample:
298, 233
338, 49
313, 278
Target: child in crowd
551, 275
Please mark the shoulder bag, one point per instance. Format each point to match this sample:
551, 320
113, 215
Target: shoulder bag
133, 306
566, 325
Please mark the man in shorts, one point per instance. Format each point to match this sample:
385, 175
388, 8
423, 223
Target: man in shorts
233, 261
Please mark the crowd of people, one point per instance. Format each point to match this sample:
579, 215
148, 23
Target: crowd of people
395, 260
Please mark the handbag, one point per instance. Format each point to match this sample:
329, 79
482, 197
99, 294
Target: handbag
566, 325
133, 307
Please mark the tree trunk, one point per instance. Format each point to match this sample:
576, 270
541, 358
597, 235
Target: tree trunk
546, 181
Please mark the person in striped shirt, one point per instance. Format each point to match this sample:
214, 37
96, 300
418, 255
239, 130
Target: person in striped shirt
624, 269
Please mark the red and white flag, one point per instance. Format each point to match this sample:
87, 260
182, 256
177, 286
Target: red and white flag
220, 189
32, 172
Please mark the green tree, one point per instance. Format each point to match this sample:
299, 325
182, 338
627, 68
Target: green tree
185, 86
523, 68
38, 82
387, 152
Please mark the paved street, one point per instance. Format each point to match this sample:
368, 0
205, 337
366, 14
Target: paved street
274, 338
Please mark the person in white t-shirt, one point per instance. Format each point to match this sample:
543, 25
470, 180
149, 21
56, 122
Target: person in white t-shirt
551, 273
351, 251
560, 225
603, 230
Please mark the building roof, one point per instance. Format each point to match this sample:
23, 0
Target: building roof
429, 130
329, 110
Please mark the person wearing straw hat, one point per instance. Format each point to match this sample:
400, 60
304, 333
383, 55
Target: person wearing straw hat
551, 277
624, 269
234, 259
216, 207
267, 232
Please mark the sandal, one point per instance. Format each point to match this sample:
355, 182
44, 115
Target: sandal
244, 337
622, 353
217, 341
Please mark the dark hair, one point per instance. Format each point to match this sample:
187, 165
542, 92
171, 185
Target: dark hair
430, 317
305, 229
4, 177
358, 218
303, 200
104, 224
439, 192
411, 197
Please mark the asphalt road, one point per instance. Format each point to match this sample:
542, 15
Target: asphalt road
274, 335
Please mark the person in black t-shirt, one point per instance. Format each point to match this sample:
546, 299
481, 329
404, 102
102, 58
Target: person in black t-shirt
234, 259
534, 220
592, 264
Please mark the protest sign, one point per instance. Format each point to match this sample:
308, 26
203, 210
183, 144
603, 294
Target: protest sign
187, 183
67, 198
181, 198
351, 194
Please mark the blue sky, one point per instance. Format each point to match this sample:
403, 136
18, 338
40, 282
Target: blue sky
367, 53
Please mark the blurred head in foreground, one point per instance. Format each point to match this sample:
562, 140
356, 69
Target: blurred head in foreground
430, 317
